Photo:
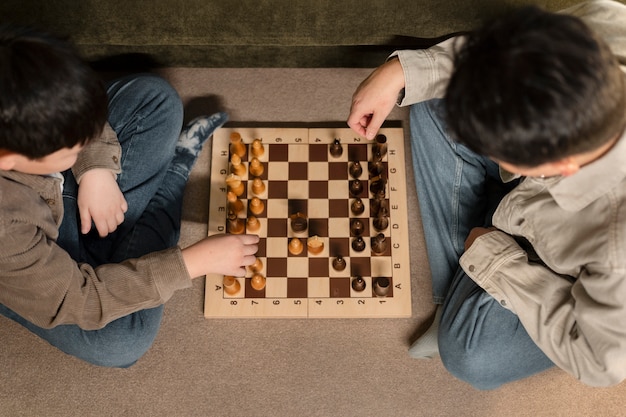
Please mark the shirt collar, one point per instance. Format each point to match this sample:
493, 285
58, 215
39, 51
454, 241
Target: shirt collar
593, 180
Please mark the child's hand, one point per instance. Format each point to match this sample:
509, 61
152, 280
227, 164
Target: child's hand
221, 254
100, 200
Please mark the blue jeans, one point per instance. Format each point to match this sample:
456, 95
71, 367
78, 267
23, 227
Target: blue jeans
147, 114
479, 341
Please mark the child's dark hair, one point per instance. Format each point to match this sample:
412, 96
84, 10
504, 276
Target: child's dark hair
49, 98
535, 87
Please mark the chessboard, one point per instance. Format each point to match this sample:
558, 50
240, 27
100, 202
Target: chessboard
331, 211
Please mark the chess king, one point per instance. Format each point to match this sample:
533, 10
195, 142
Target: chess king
519, 149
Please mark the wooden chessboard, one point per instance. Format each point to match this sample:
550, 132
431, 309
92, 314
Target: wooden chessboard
304, 177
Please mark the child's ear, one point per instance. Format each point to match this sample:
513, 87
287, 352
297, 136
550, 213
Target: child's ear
7, 160
567, 166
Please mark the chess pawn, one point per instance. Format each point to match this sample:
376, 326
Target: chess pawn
315, 245
236, 167
237, 147
356, 227
258, 186
335, 149
234, 203
355, 169
357, 207
257, 282
235, 184
358, 244
378, 244
381, 286
256, 206
253, 224
235, 225
358, 284
356, 187
256, 167
231, 285
339, 264
299, 222
295, 246
257, 148
257, 266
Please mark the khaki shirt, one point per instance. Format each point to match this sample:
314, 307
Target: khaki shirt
559, 261
43, 284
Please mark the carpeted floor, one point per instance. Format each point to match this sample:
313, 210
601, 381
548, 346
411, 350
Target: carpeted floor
328, 367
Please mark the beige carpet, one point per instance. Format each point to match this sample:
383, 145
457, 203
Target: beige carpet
329, 367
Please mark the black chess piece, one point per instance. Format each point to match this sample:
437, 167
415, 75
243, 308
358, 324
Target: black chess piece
335, 149
358, 283
379, 148
355, 169
298, 222
378, 243
381, 286
358, 244
356, 227
356, 187
380, 223
357, 207
339, 264
377, 186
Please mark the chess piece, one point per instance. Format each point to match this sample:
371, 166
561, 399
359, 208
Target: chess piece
375, 169
335, 149
257, 282
378, 244
258, 186
381, 286
378, 207
377, 185
235, 225
379, 148
236, 167
356, 187
256, 206
357, 207
315, 245
355, 169
231, 285
237, 147
256, 167
235, 184
381, 222
358, 284
339, 264
299, 222
257, 266
358, 244
234, 203
253, 224
356, 227
257, 148
295, 246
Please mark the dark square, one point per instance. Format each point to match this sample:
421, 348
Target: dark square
360, 266
318, 267
298, 171
318, 189
318, 152
357, 152
297, 288
338, 208
337, 170
318, 227
251, 292
278, 152
277, 189
276, 227
276, 267
262, 248
340, 287
339, 246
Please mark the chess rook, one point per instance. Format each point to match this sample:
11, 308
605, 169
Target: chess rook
231, 285
381, 286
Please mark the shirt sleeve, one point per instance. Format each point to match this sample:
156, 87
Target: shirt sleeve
427, 71
578, 324
102, 152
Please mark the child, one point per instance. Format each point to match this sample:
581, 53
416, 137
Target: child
91, 188
536, 99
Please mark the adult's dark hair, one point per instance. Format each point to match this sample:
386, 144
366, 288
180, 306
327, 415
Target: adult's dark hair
533, 87
49, 98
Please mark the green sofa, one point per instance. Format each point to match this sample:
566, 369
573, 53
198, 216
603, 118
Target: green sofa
253, 33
